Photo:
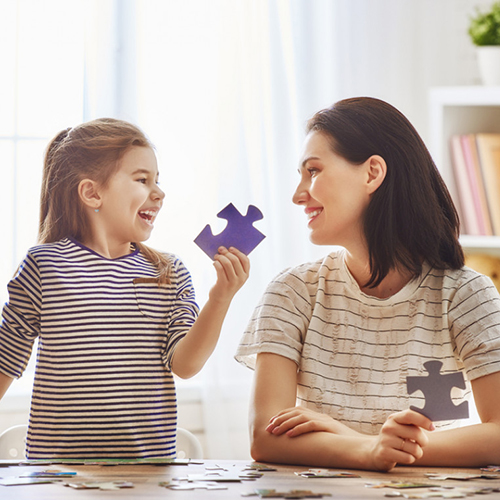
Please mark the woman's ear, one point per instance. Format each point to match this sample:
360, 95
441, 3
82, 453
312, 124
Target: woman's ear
377, 170
89, 193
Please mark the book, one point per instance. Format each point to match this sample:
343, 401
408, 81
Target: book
468, 212
476, 180
488, 148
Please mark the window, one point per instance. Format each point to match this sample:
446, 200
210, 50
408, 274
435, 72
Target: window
41, 92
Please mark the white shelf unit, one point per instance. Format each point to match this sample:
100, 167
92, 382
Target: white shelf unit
462, 110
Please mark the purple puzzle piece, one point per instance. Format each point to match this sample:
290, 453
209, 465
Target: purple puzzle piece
239, 232
436, 388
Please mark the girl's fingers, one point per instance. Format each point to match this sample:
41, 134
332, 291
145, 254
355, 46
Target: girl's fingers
234, 266
238, 260
243, 259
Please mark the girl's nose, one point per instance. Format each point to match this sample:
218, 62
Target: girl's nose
158, 194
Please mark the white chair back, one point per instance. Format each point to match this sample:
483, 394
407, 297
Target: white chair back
13, 443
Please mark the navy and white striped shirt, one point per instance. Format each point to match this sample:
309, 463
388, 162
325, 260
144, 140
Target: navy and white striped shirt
107, 331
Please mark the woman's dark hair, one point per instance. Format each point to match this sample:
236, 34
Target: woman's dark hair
411, 217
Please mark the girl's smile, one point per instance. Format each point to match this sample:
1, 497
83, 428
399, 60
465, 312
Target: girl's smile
148, 216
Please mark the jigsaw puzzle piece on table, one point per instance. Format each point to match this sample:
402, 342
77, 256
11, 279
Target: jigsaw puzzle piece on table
324, 473
292, 494
103, 485
239, 232
437, 391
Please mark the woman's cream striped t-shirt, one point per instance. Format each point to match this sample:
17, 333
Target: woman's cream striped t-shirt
354, 351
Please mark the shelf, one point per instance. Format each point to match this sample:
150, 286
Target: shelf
484, 244
462, 110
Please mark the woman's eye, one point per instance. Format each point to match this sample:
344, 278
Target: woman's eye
312, 171
143, 180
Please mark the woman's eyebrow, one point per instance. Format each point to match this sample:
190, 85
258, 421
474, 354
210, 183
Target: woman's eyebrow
306, 160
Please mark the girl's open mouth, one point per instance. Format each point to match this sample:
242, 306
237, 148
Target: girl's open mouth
148, 216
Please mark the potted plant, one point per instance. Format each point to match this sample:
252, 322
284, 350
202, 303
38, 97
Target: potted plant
484, 31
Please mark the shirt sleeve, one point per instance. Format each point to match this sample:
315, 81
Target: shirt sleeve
279, 322
474, 316
20, 319
185, 310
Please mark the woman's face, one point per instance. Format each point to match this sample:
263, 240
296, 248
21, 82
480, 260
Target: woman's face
333, 192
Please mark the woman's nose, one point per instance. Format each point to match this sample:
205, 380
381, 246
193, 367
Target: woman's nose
301, 194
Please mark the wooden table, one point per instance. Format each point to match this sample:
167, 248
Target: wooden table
146, 479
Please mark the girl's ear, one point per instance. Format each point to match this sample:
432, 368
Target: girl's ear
377, 170
89, 193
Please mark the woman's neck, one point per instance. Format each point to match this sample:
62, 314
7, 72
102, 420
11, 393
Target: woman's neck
359, 268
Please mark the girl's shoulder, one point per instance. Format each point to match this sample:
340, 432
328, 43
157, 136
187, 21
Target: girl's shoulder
57, 247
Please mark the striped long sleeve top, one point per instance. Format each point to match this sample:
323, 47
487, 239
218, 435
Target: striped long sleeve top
107, 330
354, 351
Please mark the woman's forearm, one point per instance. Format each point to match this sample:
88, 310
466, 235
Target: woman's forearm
315, 449
469, 446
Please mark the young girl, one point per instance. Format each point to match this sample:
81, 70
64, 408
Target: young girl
333, 341
114, 318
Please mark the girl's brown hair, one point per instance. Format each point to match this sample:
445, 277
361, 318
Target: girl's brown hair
411, 216
91, 150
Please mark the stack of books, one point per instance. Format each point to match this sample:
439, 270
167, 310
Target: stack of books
476, 169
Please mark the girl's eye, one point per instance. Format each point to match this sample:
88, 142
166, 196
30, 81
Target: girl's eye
143, 180
312, 171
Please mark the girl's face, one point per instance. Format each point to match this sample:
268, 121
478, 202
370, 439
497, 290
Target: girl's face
333, 192
132, 198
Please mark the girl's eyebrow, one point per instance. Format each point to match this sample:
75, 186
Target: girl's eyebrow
141, 171
145, 171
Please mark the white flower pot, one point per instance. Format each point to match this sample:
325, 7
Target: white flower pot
488, 58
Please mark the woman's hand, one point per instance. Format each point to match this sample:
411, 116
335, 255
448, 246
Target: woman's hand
299, 420
233, 268
400, 440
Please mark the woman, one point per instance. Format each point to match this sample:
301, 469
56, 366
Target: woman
333, 341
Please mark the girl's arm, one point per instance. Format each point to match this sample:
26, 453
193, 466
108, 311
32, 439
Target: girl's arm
326, 442
192, 351
5, 382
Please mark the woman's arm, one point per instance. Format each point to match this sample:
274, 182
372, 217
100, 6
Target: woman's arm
321, 441
192, 351
474, 445
5, 382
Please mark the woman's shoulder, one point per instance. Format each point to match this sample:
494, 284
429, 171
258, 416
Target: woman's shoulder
310, 273
460, 284
457, 278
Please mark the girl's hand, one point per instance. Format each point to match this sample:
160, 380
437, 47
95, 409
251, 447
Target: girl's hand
233, 268
400, 440
299, 420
